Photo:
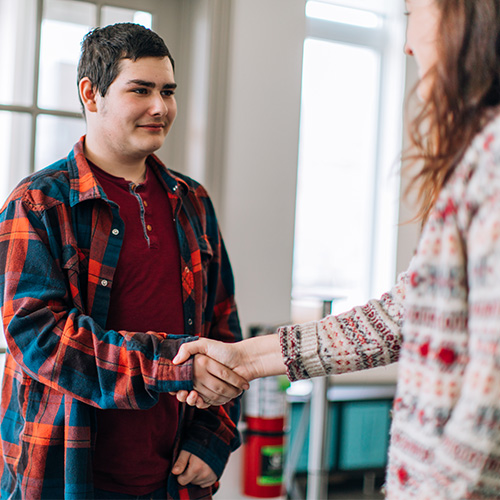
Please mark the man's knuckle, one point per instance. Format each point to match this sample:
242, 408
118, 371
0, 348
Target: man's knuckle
219, 388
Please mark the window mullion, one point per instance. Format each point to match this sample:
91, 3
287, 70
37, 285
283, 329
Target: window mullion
36, 75
98, 13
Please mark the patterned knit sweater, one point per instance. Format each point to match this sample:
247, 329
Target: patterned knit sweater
442, 323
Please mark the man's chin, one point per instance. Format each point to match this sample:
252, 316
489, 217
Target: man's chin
148, 149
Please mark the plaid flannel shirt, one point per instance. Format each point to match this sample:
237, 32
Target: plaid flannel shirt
60, 238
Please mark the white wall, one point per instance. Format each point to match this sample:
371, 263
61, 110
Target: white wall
408, 231
260, 165
258, 192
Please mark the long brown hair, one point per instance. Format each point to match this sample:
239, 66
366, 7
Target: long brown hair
465, 89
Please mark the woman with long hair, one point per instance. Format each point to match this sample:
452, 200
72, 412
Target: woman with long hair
441, 321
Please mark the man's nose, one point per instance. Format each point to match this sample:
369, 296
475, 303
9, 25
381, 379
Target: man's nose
159, 105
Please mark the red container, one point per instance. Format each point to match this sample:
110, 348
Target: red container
263, 457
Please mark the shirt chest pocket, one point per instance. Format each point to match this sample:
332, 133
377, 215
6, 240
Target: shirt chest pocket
206, 266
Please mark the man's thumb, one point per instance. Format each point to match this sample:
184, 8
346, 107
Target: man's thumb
181, 463
182, 355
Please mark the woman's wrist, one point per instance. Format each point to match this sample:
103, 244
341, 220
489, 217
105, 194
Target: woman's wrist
262, 357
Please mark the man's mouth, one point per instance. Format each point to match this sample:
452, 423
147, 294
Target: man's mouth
153, 126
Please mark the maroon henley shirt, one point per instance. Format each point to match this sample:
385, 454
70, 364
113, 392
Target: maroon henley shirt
134, 447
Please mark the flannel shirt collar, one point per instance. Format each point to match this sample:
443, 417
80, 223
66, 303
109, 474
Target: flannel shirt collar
84, 186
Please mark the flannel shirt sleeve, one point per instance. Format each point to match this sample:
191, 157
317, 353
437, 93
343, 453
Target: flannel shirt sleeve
212, 433
54, 342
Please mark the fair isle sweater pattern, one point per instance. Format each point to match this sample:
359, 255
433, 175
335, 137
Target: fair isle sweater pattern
442, 323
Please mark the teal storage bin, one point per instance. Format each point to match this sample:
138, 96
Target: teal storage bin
364, 434
295, 415
357, 434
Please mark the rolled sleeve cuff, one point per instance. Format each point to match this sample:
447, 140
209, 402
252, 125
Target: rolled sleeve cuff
216, 457
173, 378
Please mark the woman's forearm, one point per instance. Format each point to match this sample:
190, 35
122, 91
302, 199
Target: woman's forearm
260, 357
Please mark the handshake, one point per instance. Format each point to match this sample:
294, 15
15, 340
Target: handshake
221, 371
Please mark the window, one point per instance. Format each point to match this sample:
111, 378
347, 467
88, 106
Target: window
40, 115
350, 138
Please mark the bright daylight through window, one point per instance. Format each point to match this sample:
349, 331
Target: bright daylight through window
350, 137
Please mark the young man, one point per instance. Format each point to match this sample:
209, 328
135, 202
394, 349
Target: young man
108, 263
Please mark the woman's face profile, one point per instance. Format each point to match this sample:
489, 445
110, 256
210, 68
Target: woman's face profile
421, 37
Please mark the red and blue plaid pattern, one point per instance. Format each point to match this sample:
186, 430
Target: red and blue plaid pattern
60, 239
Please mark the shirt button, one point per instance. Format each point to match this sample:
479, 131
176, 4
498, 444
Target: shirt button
190, 321
104, 282
149, 227
115, 231
145, 203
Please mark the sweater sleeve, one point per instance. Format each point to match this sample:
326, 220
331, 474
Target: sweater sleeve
364, 337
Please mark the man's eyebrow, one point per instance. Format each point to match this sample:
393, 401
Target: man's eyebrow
151, 85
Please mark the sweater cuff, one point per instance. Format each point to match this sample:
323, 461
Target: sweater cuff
300, 350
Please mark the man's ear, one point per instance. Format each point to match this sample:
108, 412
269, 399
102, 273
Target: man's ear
88, 94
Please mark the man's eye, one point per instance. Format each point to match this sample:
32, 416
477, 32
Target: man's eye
168, 93
140, 91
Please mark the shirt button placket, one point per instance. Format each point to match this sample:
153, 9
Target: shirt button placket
115, 232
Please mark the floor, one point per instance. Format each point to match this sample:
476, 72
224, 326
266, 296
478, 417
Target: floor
346, 487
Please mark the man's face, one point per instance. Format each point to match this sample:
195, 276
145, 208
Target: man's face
136, 114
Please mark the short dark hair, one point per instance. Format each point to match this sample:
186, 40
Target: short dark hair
104, 48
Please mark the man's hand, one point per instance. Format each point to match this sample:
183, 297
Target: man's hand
191, 469
207, 391
215, 382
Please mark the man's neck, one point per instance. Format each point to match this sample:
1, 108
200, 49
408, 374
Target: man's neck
132, 170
